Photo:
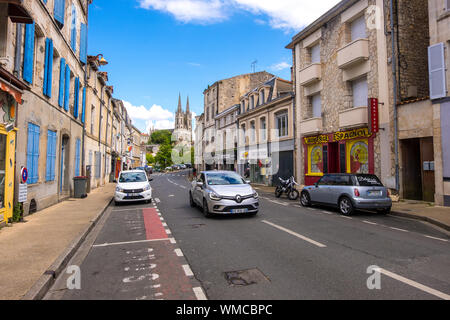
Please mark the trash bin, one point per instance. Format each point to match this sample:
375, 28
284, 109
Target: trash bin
79, 187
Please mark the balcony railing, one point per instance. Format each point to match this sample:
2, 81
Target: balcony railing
353, 53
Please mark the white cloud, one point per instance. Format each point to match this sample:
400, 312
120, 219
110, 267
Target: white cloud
280, 66
156, 112
281, 14
199, 11
159, 124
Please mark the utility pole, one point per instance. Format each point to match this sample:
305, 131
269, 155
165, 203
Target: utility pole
254, 66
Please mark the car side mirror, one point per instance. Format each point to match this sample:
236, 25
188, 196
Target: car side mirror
199, 184
150, 179
248, 181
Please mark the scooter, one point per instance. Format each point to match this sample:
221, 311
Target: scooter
288, 187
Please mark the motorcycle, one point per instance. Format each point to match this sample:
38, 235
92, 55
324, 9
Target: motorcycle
288, 187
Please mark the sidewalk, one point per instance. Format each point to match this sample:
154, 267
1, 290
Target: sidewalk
439, 216
28, 249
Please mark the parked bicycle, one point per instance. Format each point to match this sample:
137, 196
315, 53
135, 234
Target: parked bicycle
288, 187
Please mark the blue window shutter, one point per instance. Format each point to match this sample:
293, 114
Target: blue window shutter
28, 55
47, 42
83, 42
53, 160
83, 105
73, 29
33, 153
67, 89
58, 11
77, 158
62, 71
49, 165
76, 98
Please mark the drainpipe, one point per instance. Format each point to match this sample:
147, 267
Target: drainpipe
86, 70
394, 77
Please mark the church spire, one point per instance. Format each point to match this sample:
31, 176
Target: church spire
187, 105
179, 104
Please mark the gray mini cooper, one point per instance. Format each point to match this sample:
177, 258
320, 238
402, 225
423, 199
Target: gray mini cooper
348, 192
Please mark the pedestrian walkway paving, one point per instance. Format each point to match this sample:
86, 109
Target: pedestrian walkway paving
439, 216
29, 248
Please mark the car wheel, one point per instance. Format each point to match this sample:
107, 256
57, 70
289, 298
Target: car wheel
385, 211
191, 200
293, 195
278, 192
206, 212
346, 206
305, 199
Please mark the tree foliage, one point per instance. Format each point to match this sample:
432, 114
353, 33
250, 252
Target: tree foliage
161, 137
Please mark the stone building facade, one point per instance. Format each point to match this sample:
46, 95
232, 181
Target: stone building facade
48, 53
218, 97
266, 147
226, 138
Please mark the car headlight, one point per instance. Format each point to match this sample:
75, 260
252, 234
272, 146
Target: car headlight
256, 195
119, 189
146, 188
214, 196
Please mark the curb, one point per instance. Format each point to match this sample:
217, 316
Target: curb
44, 283
421, 218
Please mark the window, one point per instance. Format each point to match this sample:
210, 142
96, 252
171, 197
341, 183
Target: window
358, 28
436, 69
252, 102
28, 54
243, 107
252, 132
67, 88
33, 153
76, 98
316, 103
73, 29
58, 12
282, 124
360, 92
77, 157
263, 129
243, 134
98, 161
51, 156
315, 54
62, 78
83, 43
262, 99
92, 119
447, 5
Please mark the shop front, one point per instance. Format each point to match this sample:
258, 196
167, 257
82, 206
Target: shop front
339, 152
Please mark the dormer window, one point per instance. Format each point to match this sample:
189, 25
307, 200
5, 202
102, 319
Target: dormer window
261, 97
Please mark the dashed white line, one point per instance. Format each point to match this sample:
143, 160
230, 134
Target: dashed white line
398, 229
320, 245
172, 240
187, 270
445, 240
199, 293
168, 231
369, 222
178, 252
415, 284
126, 242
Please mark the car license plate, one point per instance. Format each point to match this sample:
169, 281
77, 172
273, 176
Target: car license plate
374, 193
239, 211
130, 194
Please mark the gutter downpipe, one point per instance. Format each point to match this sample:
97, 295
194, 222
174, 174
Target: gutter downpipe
394, 74
83, 151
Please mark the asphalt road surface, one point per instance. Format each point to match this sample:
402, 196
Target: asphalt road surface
168, 250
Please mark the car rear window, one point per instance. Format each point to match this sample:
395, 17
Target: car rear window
368, 180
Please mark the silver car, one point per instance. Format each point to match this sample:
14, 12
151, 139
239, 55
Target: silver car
348, 192
223, 192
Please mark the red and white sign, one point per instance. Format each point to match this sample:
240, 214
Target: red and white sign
373, 115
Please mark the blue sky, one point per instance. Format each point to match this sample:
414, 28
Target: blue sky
157, 49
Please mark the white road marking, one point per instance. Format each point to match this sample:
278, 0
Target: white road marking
157, 200
369, 222
320, 245
327, 212
415, 284
161, 218
187, 270
168, 231
350, 218
445, 240
172, 240
178, 252
126, 242
403, 230
171, 195
199, 293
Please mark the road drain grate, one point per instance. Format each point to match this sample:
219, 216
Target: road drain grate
245, 277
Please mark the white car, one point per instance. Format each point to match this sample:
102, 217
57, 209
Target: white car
133, 185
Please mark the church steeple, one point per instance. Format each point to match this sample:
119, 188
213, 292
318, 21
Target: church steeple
179, 110
187, 105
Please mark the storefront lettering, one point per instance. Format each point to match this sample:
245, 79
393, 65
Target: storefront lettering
316, 140
347, 135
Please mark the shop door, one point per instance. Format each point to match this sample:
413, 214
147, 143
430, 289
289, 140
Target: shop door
427, 165
412, 169
333, 157
285, 167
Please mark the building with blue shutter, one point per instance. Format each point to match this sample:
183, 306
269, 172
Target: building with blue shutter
48, 54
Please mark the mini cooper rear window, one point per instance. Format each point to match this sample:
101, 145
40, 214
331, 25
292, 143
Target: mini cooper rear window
368, 180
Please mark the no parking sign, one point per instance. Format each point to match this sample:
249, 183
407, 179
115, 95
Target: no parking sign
24, 175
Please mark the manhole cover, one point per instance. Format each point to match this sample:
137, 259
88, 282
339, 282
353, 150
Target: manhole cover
245, 277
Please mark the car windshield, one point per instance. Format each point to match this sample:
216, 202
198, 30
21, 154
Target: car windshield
127, 177
220, 179
368, 180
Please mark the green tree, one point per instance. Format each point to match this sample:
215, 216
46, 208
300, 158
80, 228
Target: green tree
164, 156
161, 137
150, 158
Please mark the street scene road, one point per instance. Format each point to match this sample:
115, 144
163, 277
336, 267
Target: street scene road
285, 252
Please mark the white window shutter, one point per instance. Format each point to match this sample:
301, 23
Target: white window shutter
436, 67
317, 106
447, 5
